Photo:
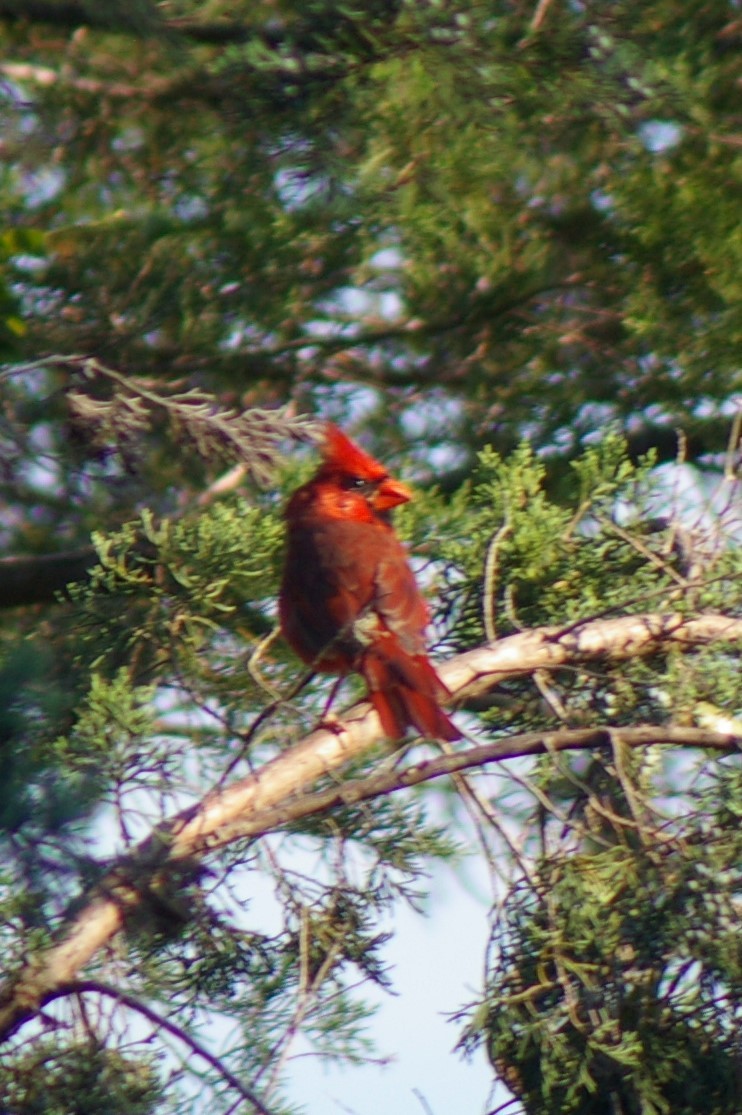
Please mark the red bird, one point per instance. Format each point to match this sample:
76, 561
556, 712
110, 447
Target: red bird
349, 601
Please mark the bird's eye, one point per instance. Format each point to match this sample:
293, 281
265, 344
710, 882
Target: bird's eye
357, 484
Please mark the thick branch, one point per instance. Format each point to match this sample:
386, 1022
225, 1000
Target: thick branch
514, 747
36, 579
478, 670
276, 793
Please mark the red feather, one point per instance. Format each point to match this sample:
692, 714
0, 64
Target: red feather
349, 601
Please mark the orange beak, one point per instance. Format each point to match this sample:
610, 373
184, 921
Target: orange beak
389, 494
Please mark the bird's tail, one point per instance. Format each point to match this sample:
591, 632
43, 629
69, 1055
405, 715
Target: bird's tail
405, 691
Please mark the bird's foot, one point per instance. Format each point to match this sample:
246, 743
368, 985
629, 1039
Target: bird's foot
331, 723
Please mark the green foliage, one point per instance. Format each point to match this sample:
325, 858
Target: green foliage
56, 1078
113, 724
41, 795
161, 632
13, 243
615, 978
505, 240
165, 590
530, 559
542, 193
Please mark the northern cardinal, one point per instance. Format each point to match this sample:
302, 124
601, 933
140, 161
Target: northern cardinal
348, 600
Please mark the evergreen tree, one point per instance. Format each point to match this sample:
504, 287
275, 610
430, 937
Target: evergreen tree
500, 242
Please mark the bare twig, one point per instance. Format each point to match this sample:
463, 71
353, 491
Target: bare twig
731, 460
97, 987
648, 555
539, 15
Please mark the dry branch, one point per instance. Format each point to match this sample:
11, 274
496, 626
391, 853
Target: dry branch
278, 793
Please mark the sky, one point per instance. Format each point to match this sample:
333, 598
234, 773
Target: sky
437, 967
435, 961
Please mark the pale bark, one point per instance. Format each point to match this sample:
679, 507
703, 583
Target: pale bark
279, 791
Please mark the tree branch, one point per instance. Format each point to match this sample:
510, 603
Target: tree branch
514, 747
36, 579
144, 21
277, 793
78, 987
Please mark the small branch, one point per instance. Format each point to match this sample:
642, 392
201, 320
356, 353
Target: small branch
539, 15
491, 569
514, 747
252, 436
731, 460
276, 794
649, 556
78, 987
44, 76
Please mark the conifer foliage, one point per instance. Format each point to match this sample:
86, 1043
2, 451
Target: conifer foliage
499, 244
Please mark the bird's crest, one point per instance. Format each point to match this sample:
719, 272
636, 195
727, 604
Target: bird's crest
344, 455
